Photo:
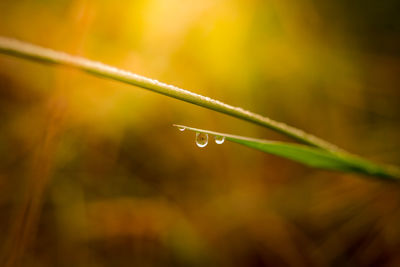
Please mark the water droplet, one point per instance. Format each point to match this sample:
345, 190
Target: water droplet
219, 139
181, 128
201, 139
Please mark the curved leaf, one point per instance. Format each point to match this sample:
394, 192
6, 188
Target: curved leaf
310, 156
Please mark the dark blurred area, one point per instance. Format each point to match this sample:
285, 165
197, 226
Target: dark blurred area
92, 173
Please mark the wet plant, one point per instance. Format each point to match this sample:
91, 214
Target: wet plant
315, 152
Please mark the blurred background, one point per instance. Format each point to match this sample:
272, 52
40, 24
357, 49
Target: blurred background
92, 173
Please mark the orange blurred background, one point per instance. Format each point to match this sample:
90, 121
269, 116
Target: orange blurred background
92, 173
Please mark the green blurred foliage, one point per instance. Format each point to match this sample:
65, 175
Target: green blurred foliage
92, 173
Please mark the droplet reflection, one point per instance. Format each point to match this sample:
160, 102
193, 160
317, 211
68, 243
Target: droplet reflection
219, 139
201, 139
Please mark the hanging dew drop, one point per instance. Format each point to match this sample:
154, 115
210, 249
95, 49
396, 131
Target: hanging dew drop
219, 139
201, 139
181, 128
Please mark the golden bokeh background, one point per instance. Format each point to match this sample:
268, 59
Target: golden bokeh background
92, 173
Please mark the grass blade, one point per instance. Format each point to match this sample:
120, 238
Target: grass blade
320, 153
310, 156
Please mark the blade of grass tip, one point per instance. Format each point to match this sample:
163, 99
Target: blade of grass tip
311, 156
30, 51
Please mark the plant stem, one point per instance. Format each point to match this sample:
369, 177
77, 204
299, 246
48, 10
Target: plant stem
30, 51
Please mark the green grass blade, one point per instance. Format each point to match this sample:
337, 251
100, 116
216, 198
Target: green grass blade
322, 154
311, 156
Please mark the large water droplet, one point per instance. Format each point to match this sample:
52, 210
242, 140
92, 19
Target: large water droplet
219, 139
201, 139
181, 128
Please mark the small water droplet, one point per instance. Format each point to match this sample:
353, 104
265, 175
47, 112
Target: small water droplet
219, 139
181, 128
201, 139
